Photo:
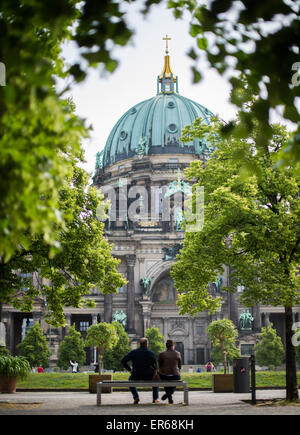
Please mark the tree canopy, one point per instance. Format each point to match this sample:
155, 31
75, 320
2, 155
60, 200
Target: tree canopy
71, 349
223, 334
104, 337
238, 37
251, 224
34, 347
112, 358
156, 341
269, 351
65, 277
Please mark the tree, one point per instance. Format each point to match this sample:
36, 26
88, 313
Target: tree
34, 347
236, 38
38, 131
112, 358
251, 225
104, 337
269, 351
156, 341
217, 355
223, 334
71, 349
84, 260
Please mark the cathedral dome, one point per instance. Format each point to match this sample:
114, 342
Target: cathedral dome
154, 126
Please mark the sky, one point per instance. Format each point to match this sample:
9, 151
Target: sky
103, 98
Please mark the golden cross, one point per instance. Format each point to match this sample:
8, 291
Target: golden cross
167, 39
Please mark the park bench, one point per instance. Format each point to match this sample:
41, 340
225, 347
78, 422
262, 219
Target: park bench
139, 384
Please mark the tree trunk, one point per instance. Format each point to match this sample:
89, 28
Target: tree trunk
100, 362
224, 356
290, 356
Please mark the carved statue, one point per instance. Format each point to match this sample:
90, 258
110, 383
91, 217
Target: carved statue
246, 320
142, 148
170, 253
218, 284
119, 316
99, 160
178, 186
178, 219
145, 283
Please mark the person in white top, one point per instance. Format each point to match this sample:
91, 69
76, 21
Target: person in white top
74, 366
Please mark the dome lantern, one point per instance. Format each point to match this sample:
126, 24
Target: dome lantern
166, 80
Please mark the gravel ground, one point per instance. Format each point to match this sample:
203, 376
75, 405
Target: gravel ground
121, 404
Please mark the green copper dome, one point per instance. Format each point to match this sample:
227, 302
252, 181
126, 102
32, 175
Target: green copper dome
154, 126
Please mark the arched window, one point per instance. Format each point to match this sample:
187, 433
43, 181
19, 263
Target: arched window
164, 290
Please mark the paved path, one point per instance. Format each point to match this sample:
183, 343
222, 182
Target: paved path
120, 403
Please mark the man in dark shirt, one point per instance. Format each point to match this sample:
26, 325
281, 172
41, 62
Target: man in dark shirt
143, 367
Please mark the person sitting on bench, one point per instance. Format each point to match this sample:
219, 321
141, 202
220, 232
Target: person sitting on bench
144, 365
169, 368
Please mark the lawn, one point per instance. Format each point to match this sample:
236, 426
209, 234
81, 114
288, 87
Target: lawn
195, 380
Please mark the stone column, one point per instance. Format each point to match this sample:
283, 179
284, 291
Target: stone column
67, 325
130, 293
108, 308
146, 304
267, 319
233, 308
257, 318
10, 331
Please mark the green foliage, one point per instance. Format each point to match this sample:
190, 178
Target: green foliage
84, 260
34, 347
217, 355
71, 349
237, 39
14, 366
196, 380
4, 351
269, 351
223, 334
156, 341
104, 337
39, 133
251, 224
112, 358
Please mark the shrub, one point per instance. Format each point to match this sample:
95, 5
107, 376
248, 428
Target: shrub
14, 366
71, 348
34, 347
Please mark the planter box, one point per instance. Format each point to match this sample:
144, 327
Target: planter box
8, 384
94, 379
222, 383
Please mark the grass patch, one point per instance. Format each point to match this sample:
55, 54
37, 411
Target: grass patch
81, 380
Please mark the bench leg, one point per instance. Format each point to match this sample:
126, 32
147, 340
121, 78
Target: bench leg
99, 391
186, 395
